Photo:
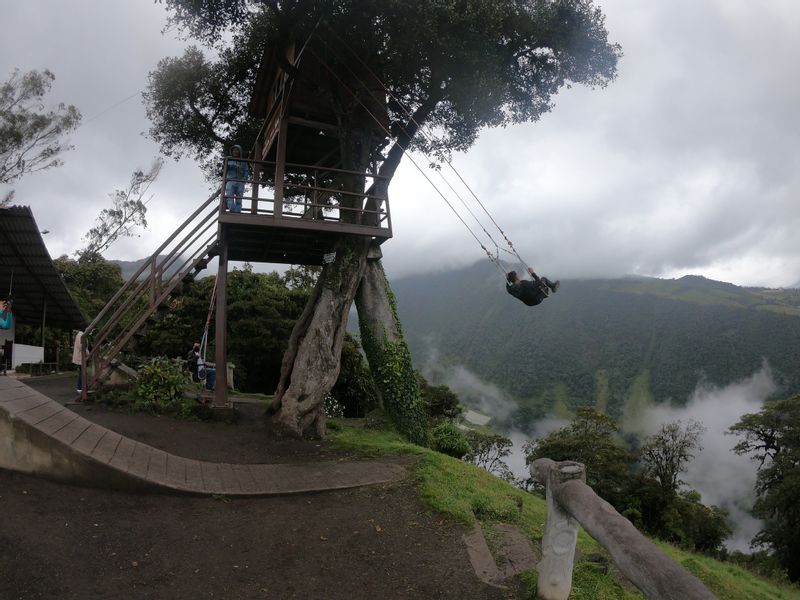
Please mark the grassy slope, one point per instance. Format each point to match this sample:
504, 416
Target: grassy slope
467, 493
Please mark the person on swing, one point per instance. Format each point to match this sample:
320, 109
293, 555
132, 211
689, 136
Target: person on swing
530, 292
199, 369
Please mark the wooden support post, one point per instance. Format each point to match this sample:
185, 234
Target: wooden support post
44, 319
280, 168
560, 537
84, 374
221, 325
256, 175
570, 501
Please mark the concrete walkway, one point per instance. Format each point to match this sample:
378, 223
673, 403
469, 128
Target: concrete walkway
42, 437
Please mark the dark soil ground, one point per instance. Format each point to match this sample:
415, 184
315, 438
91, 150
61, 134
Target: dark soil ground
60, 541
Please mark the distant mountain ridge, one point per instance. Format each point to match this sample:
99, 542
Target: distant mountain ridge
129, 267
607, 342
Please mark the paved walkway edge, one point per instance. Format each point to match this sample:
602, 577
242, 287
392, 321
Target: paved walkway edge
39, 436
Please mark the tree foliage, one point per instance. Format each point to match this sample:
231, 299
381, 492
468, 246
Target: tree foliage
261, 314
666, 454
667, 512
92, 282
31, 136
128, 211
199, 108
590, 439
441, 403
772, 438
354, 390
455, 66
488, 451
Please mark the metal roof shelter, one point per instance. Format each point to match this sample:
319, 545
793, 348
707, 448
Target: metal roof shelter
27, 270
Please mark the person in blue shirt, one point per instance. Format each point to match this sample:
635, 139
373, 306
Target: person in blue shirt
6, 317
530, 292
238, 173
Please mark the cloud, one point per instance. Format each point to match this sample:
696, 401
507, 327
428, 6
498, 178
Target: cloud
470, 388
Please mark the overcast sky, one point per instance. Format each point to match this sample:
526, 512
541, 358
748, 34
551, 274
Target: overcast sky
688, 163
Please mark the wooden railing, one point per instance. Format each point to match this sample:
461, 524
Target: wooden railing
314, 193
187, 250
571, 502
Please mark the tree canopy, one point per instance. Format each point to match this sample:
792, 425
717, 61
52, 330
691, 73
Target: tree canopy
456, 66
772, 438
31, 137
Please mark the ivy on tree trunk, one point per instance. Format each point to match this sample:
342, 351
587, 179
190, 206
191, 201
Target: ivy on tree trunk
388, 355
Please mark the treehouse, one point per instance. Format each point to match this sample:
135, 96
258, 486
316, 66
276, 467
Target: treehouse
299, 189
303, 186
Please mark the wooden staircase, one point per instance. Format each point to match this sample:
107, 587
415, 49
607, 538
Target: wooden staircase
177, 261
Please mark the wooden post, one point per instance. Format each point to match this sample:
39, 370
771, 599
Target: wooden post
221, 325
84, 377
560, 537
642, 562
44, 319
280, 168
255, 173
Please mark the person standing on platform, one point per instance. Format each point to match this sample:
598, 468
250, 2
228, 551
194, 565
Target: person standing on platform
76, 360
238, 172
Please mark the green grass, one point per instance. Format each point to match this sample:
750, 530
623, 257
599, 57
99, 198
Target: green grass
469, 494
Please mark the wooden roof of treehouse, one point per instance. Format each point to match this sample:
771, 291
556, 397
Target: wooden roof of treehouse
313, 130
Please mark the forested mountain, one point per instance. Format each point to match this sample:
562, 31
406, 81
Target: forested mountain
129, 267
600, 341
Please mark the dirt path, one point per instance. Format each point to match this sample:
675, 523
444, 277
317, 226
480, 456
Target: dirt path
60, 541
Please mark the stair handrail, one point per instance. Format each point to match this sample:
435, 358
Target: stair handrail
133, 278
150, 281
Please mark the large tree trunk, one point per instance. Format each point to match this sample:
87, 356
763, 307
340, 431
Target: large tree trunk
387, 353
311, 363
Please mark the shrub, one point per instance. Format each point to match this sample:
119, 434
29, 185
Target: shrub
449, 439
440, 401
160, 389
354, 390
487, 450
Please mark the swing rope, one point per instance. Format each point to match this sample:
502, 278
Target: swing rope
421, 128
204, 340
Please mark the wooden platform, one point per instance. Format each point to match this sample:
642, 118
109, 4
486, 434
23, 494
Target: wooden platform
286, 240
42, 437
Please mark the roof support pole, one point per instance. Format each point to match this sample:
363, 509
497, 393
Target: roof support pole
44, 319
280, 168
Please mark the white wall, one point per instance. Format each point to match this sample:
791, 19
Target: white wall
22, 353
